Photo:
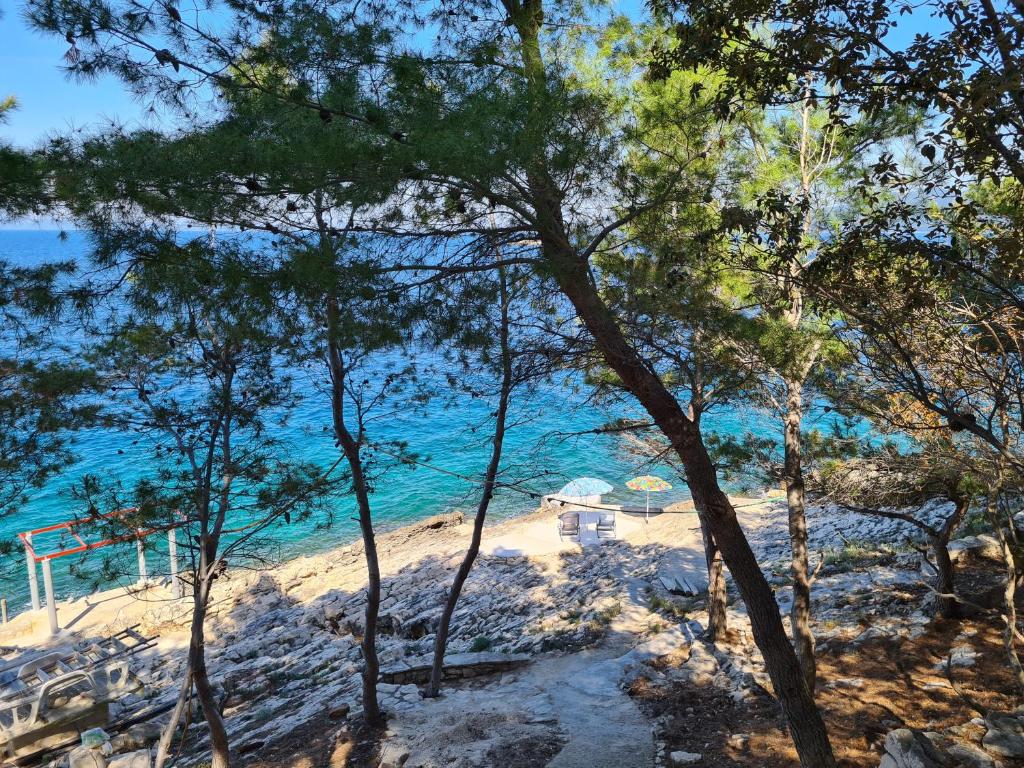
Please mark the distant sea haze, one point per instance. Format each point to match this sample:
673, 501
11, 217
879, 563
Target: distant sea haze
537, 451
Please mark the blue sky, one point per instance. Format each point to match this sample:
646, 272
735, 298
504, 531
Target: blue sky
30, 70
50, 103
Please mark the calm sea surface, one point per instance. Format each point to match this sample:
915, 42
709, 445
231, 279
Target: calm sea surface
537, 451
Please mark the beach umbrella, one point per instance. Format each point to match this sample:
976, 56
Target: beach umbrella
648, 483
585, 486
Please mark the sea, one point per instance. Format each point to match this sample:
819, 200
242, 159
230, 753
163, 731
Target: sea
551, 442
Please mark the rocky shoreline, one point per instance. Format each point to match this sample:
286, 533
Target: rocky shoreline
533, 636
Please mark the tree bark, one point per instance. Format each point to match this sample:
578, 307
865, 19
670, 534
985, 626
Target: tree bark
163, 749
490, 478
717, 597
351, 448
800, 613
947, 606
219, 747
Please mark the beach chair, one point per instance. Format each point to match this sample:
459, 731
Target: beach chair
606, 525
569, 526
47, 698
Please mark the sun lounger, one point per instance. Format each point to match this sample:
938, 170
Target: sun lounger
569, 525
606, 525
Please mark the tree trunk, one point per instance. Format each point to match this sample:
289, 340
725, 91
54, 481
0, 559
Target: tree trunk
444, 624
351, 448
946, 605
490, 477
800, 613
717, 621
219, 747
1010, 591
808, 729
167, 735
571, 271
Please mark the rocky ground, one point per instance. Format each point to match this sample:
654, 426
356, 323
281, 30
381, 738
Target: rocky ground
596, 656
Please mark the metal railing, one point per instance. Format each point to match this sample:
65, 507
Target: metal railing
34, 559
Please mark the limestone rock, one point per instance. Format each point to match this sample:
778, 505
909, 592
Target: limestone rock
683, 573
684, 758
138, 759
393, 757
906, 749
1005, 735
701, 667
983, 546
86, 757
139, 736
339, 712
970, 756
456, 666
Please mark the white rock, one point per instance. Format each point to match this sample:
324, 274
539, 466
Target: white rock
984, 546
86, 757
969, 755
138, 759
684, 758
1005, 735
904, 750
961, 656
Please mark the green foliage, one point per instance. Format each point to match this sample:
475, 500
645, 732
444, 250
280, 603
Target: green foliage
187, 350
674, 609
46, 392
855, 555
968, 70
756, 461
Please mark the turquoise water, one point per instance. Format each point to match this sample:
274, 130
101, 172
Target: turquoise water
538, 455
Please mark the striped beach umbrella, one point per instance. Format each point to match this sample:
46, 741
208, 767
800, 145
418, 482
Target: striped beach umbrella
650, 484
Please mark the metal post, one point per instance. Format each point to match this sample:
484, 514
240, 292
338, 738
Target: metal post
3, 609
172, 553
33, 579
51, 604
143, 574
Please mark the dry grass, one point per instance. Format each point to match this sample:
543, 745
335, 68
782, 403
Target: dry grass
903, 685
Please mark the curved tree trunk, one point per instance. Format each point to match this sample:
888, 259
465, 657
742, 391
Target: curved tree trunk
800, 613
571, 271
351, 448
946, 604
219, 747
490, 477
163, 749
806, 725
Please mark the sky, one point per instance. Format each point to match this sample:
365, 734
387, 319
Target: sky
48, 102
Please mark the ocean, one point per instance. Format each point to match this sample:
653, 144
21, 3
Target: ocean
543, 451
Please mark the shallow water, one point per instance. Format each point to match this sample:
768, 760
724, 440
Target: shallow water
538, 453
